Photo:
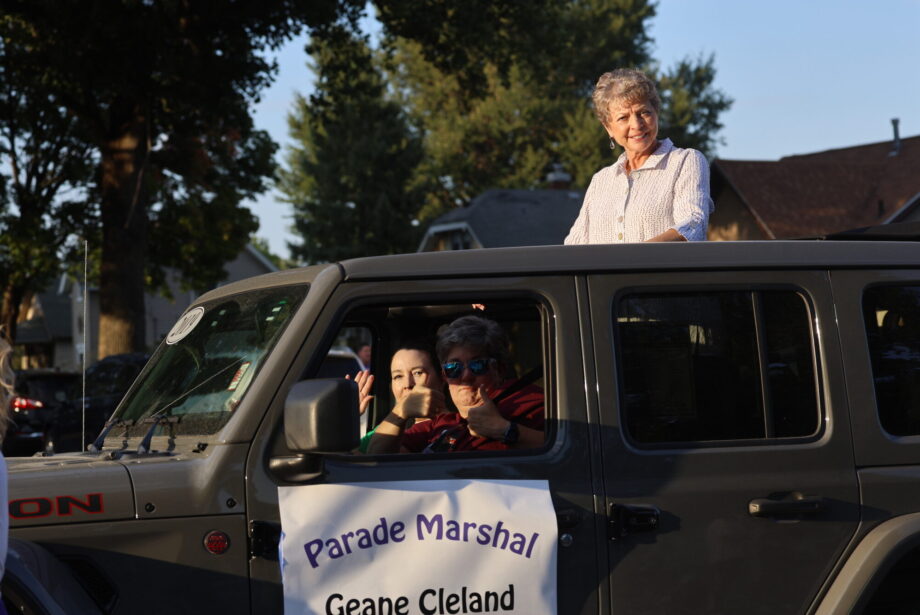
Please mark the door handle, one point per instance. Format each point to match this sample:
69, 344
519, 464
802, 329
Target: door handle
794, 504
623, 519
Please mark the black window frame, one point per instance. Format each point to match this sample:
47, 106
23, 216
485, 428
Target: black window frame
548, 349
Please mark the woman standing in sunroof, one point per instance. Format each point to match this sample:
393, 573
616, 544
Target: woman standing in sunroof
654, 191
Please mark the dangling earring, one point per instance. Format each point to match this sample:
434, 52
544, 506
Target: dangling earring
613, 144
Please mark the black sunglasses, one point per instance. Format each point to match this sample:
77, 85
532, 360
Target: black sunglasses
454, 369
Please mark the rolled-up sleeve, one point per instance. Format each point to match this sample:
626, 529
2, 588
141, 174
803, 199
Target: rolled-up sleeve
692, 203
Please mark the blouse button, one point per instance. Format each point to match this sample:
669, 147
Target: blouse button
619, 235
620, 219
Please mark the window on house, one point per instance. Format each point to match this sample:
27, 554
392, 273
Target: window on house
716, 366
892, 319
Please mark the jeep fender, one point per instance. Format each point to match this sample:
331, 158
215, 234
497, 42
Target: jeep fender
869, 563
35, 579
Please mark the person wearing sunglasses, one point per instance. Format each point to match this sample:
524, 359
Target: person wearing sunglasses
493, 412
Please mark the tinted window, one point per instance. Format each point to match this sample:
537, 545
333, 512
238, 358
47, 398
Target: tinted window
892, 317
716, 366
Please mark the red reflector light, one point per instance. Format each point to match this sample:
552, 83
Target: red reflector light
216, 542
24, 403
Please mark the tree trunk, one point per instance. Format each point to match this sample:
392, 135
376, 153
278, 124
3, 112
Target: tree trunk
13, 295
124, 237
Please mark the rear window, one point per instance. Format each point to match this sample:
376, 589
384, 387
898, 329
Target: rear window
892, 319
716, 366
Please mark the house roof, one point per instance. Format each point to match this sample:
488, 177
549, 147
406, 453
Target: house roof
504, 218
824, 192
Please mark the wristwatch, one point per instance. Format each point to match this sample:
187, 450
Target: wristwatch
512, 433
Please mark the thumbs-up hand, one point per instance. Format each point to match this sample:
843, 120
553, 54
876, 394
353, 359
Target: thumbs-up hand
420, 402
484, 420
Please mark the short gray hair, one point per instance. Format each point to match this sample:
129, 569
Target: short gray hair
623, 84
477, 332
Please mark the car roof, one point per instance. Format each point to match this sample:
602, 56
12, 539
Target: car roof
620, 258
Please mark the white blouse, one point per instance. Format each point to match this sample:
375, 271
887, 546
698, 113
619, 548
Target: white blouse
669, 191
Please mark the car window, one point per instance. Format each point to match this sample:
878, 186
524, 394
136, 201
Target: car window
892, 320
202, 374
405, 336
716, 366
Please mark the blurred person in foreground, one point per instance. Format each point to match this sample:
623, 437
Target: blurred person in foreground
7, 384
654, 191
493, 412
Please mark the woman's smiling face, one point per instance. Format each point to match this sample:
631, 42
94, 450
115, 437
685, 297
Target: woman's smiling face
634, 126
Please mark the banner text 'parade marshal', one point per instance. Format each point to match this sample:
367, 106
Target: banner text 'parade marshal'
495, 536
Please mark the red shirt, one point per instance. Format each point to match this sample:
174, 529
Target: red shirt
448, 432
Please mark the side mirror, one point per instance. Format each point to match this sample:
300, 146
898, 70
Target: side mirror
322, 416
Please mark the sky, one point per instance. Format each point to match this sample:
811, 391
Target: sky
805, 76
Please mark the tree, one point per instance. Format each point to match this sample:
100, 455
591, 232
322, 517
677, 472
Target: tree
497, 92
692, 107
43, 194
348, 176
534, 110
529, 109
163, 91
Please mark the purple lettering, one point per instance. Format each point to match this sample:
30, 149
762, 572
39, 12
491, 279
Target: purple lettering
533, 541
313, 549
500, 531
380, 532
435, 524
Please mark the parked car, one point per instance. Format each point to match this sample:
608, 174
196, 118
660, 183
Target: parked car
38, 396
730, 427
107, 380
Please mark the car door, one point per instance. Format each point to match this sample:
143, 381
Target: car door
727, 455
564, 461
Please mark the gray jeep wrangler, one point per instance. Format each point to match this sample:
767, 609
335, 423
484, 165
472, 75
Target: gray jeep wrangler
730, 428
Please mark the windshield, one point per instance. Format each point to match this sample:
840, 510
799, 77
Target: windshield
199, 376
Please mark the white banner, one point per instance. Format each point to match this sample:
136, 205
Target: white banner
419, 547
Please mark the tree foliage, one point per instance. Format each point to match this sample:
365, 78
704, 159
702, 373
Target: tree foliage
44, 193
691, 105
534, 110
348, 176
499, 92
163, 89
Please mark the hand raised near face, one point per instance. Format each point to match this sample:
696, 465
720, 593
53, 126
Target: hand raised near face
484, 420
420, 402
365, 382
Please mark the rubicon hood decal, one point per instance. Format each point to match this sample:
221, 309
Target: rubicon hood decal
51, 491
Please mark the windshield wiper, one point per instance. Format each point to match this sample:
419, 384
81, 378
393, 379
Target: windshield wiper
157, 420
96, 446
